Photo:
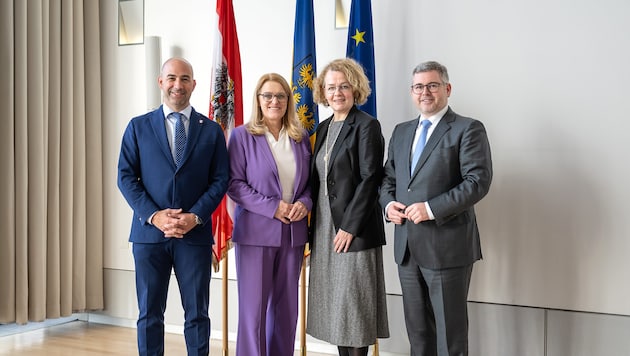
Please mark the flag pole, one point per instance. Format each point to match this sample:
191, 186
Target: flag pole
303, 309
304, 71
360, 47
226, 109
225, 305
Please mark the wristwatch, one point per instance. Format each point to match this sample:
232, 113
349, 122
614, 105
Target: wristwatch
198, 220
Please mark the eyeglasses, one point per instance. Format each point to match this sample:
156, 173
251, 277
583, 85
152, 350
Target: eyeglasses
268, 97
342, 88
419, 88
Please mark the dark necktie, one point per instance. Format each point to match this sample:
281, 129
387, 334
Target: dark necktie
420, 145
180, 138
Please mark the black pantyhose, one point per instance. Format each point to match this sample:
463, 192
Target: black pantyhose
353, 351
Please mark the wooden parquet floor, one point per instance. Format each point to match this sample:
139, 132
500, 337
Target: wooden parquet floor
90, 339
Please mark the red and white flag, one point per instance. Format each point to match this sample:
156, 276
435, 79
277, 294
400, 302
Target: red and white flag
226, 108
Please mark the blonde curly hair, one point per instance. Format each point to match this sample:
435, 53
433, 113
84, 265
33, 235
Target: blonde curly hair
354, 73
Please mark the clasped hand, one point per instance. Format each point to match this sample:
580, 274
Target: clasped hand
174, 222
288, 213
398, 212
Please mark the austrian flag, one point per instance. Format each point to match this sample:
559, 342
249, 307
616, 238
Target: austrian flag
226, 108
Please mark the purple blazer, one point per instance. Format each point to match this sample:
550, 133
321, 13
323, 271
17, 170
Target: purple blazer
254, 186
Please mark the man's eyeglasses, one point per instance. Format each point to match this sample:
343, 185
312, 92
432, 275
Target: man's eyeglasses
282, 97
343, 88
419, 88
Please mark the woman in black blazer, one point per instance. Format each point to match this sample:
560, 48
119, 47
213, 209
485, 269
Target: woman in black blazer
346, 304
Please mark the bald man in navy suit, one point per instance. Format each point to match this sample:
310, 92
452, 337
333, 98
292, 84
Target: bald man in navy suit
438, 167
173, 196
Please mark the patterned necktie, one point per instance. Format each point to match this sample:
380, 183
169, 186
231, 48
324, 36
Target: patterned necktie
420, 144
180, 138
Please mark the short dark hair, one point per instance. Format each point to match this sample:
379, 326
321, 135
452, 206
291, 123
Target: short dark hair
430, 66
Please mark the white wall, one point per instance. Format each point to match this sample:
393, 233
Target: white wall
547, 77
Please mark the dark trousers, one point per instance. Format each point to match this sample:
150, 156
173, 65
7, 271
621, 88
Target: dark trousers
436, 311
192, 265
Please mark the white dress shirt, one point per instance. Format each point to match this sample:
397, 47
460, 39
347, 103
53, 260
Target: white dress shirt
171, 121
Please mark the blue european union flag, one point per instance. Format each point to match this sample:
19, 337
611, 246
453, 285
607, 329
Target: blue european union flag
304, 65
360, 46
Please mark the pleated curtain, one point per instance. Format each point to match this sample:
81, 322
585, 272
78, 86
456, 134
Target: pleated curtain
51, 185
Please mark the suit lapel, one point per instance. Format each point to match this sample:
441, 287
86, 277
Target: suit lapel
297, 152
195, 125
346, 128
439, 131
409, 134
261, 142
159, 130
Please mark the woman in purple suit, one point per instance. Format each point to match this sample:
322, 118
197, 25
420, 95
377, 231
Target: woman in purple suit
269, 181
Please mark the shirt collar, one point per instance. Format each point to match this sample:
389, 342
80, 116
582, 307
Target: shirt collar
434, 118
270, 136
187, 111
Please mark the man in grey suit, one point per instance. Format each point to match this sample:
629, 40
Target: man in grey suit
438, 167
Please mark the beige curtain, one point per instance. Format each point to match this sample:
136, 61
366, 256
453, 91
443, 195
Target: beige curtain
51, 226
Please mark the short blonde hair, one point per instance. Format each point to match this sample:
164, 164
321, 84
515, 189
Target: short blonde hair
290, 122
354, 73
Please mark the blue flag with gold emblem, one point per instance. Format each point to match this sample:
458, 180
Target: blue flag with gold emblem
360, 46
304, 65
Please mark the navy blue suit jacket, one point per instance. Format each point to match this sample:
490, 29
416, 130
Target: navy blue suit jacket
150, 181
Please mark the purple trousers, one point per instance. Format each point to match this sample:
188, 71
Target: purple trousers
267, 280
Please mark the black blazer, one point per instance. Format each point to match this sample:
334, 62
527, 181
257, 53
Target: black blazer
354, 176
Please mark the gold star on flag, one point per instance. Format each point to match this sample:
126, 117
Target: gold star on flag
358, 37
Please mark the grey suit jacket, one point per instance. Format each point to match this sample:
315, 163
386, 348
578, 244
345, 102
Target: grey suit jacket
454, 173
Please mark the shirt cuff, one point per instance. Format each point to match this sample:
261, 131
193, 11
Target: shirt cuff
429, 212
150, 219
